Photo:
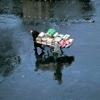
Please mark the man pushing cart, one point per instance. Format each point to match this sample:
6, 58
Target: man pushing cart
54, 40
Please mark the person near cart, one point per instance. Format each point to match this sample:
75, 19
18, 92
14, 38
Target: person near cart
57, 50
35, 35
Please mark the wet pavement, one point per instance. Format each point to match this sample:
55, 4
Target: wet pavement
24, 75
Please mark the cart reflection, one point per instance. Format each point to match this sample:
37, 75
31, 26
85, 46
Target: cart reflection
48, 62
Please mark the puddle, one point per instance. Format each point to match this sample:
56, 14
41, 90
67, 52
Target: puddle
9, 59
49, 13
46, 62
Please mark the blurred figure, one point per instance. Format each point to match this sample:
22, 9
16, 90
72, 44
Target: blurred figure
58, 73
35, 35
39, 58
57, 50
60, 62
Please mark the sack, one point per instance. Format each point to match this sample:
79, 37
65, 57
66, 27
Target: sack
41, 34
38, 42
38, 39
57, 39
61, 43
49, 41
55, 35
60, 35
69, 43
66, 37
49, 35
51, 32
44, 39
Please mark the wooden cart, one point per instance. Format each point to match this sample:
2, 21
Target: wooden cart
64, 41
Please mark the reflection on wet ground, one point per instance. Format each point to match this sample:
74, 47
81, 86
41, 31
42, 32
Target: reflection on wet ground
31, 11
8, 64
48, 62
9, 58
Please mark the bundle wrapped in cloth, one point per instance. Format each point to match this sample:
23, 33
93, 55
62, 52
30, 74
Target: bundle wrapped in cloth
62, 43
56, 34
57, 39
66, 43
45, 43
67, 36
42, 34
69, 43
60, 35
39, 40
49, 41
51, 32
44, 40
